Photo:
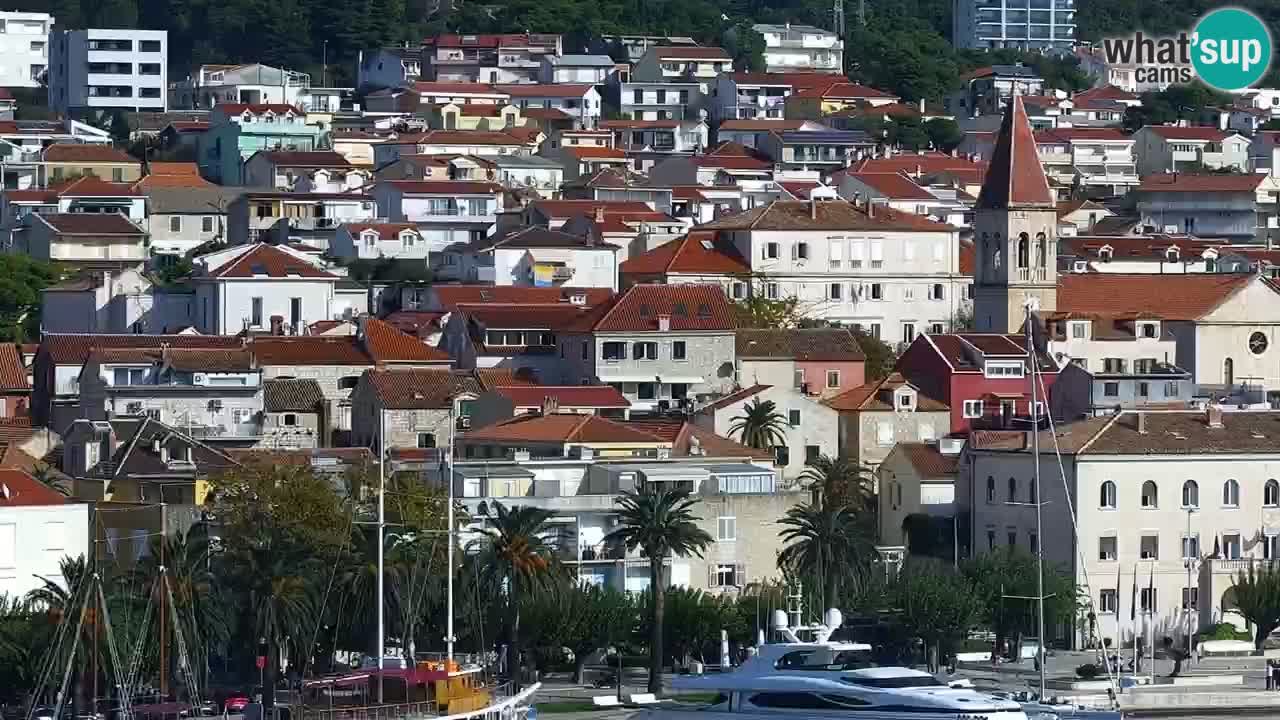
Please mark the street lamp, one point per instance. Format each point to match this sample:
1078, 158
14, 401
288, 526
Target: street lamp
1189, 560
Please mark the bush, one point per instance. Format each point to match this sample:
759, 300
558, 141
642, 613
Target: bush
1087, 671
1224, 631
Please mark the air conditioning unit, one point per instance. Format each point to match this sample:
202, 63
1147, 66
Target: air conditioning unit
464, 422
199, 378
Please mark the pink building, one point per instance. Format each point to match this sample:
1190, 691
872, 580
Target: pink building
821, 362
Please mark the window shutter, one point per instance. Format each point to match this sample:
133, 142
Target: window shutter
837, 250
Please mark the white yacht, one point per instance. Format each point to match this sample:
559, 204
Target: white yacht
825, 678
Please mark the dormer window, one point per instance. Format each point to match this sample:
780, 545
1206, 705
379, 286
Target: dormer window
904, 399
1172, 255
407, 239
1104, 253
1079, 329
370, 237
1149, 330
1080, 266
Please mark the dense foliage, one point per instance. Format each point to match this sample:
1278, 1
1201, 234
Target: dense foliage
22, 277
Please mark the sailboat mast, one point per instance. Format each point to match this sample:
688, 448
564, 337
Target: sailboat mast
164, 639
382, 525
448, 481
1035, 479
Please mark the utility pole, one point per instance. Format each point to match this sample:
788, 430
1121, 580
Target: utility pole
382, 525
164, 640
837, 16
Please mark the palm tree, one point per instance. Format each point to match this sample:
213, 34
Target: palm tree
661, 524
519, 547
1257, 595
838, 482
827, 544
62, 600
760, 425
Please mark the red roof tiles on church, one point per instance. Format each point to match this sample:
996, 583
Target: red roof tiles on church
1015, 177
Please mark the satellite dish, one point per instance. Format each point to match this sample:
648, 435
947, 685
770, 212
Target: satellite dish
834, 618
779, 619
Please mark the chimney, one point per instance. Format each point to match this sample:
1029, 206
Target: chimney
1213, 415
598, 214
919, 170
664, 323
550, 405
813, 207
1142, 423
277, 325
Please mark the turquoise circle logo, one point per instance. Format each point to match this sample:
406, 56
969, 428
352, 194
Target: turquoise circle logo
1231, 49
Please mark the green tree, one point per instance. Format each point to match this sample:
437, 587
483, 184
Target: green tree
760, 312
1003, 577
746, 47
1257, 591
880, 358
661, 524
582, 617
519, 546
760, 425
282, 529
22, 277
839, 482
944, 133
936, 604
833, 547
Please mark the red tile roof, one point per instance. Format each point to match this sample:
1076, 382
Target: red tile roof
842, 91
385, 231
698, 252
454, 88
761, 124
801, 344
1106, 92
1170, 297
568, 396
297, 350
13, 372
91, 224
690, 52
451, 296
732, 398
18, 489
388, 344
1194, 183
594, 153
867, 397
682, 434
545, 90
535, 317
269, 261
86, 153
895, 186
927, 163
565, 209
422, 389
561, 428
1173, 132
1015, 177
691, 307
68, 349
89, 186
313, 158
928, 462
444, 187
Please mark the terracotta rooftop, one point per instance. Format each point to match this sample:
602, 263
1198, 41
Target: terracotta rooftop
458, 137
733, 398
86, 153
698, 252
1015, 177
264, 260
297, 395
13, 372
18, 489
1170, 297
801, 344
824, 215
872, 397
682, 435
761, 124
1187, 433
558, 90
423, 388
451, 296
388, 344
560, 428
588, 152
929, 464
1106, 92
385, 231
91, 224
74, 348
565, 209
1201, 183
1173, 132
454, 88
690, 307
313, 158
568, 396
927, 163
842, 91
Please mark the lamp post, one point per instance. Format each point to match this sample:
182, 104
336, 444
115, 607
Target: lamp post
1190, 559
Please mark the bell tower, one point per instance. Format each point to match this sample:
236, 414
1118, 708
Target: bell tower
1015, 231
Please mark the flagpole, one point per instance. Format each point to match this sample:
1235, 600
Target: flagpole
1032, 352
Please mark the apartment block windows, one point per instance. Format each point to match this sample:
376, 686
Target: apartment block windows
877, 291
835, 291
175, 223
1150, 495
771, 251
1107, 601
1190, 547
614, 351
727, 528
793, 418
149, 46
1147, 599
678, 350
645, 351
973, 408
935, 291
255, 312
1149, 547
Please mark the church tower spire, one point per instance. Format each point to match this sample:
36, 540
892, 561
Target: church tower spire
1015, 230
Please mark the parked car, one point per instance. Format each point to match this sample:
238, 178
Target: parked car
235, 702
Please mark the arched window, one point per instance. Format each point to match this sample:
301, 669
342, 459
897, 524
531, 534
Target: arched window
1271, 493
995, 259
1042, 250
1013, 489
1150, 495
991, 489
1190, 494
1228, 372
1023, 250
1231, 493
1107, 495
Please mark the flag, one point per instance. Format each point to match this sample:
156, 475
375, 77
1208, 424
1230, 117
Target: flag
1133, 608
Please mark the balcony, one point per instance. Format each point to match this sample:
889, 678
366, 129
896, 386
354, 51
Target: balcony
601, 552
227, 431
1033, 274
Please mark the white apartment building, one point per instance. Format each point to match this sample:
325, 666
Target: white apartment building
894, 274
1184, 500
1034, 25
1169, 148
24, 48
253, 84
801, 48
659, 100
38, 528
98, 69
1102, 158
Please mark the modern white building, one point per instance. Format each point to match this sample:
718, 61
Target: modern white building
1183, 500
1170, 148
260, 287
533, 257
253, 84
24, 48
38, 528
591, 69
1034, 25
801, 48
104, 70
374, 240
